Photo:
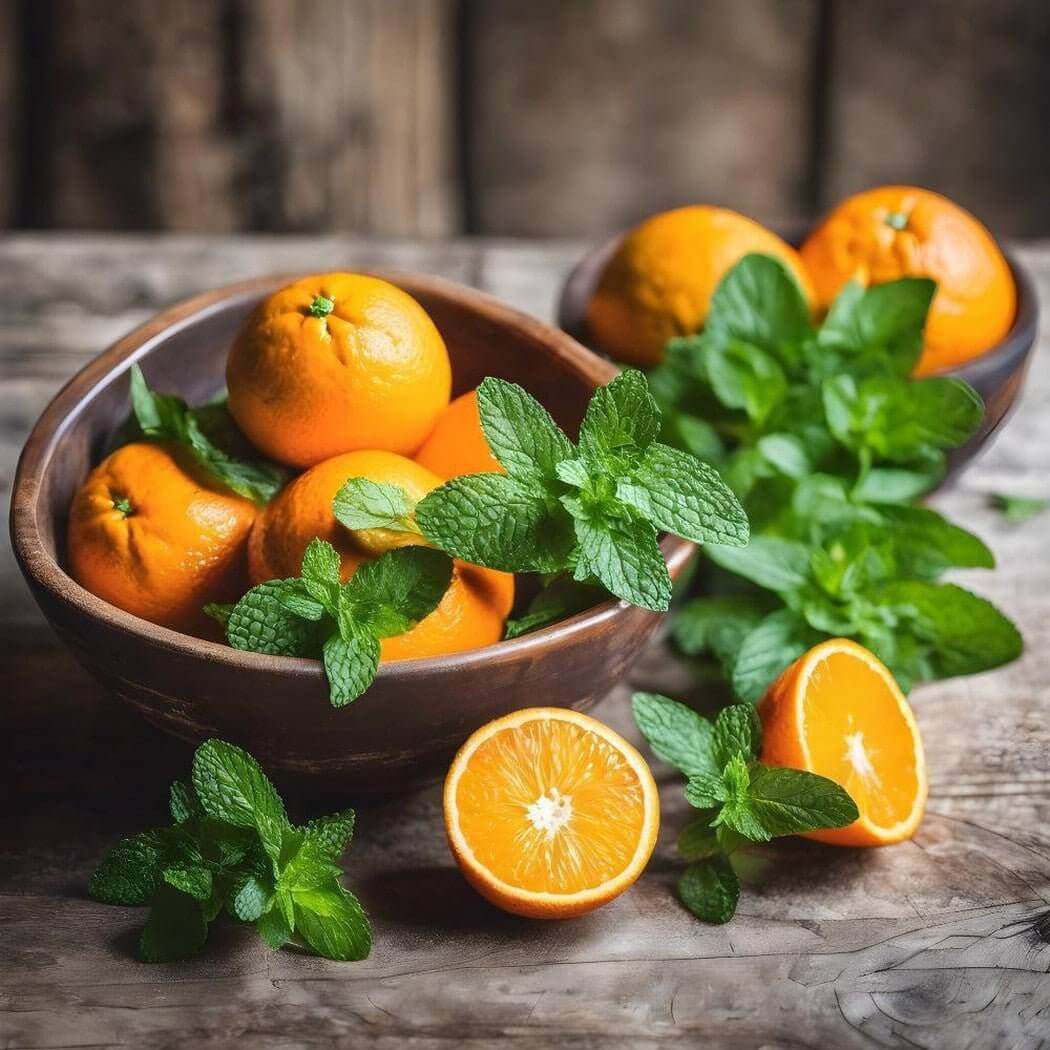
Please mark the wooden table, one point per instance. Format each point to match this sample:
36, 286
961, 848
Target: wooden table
940, 942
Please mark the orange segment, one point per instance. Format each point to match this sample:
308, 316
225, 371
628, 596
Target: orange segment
837, 711
549, 813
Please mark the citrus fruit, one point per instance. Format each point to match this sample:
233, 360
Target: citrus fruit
473, 609
549, 813
903, 231
335, 363
457, 443
659, 282
155, 535
837, 711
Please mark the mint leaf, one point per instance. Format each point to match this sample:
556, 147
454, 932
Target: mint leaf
219, 612
365, 504
320, 575
759, 302
625, 556
309, 866
232, 787
183, 802
520, 431
925, 544
773, 563
621, 415
737, 812
737, 732
192, 879
710, 890
787, 453
350, 661
252, 896
679, 494
698, 840
561, 598
274, 928
130, 872
331, 834
332, 922
398, 589
261, 623
743, 376
886, 318
676, 733
175, 929
780, 639
1017, 509
706, 790
717, 624
896, 484
302, 605
791, 801
496, 521
166, 418
962, 633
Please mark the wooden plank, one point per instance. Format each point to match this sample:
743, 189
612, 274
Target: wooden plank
941, 942
352, 105
585, 117
949, 94
134, 136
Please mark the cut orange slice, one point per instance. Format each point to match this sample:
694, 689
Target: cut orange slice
837, 711
549, 813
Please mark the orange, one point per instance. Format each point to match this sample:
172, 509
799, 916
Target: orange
457, 444
903, 231
660, 281
549, 813
155, 535
335, 363
838, 712
471, 613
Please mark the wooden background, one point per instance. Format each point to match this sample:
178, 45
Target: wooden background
429, 118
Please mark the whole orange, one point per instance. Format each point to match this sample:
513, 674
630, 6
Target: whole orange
457, 444
155, 535
471, 613
903, 231
334, 363
660, 281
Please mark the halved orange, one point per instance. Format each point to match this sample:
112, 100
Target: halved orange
837, 711
549, 813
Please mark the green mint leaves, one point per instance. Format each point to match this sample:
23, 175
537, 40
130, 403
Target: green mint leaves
1018, 509
212, 437
365, 504
826, 440
341, 624
592, 510
739, 800
232, 848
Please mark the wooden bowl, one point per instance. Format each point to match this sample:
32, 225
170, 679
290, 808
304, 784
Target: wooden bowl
403, 730
997, 375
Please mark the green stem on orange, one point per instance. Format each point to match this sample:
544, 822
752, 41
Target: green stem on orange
123, 505
322, 306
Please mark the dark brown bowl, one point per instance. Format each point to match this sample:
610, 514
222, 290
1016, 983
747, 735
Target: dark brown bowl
996, 375
404, 729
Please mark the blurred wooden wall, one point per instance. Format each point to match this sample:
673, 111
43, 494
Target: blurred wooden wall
543, 117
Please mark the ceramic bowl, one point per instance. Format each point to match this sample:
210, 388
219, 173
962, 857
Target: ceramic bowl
403, 730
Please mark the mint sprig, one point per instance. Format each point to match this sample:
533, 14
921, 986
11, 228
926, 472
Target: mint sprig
342, 624
827, 440
740, 800
232, 848
592, 509
209, 433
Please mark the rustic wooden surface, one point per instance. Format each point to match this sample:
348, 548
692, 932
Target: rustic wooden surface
940, 942
535, 117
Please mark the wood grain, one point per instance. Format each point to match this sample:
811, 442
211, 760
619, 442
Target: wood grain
634, 108
943, 94
942, 942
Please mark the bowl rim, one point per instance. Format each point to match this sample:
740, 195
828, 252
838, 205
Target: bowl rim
42, 569
1020, 336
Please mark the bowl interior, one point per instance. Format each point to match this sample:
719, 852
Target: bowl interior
184, 352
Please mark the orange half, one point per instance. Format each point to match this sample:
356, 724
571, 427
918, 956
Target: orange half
837, 711
549, 813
